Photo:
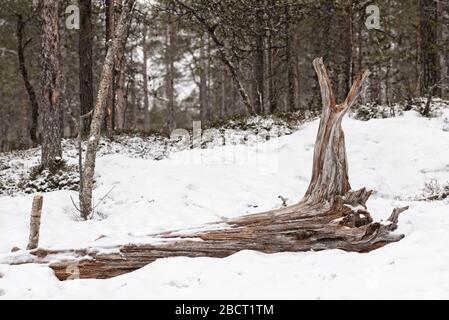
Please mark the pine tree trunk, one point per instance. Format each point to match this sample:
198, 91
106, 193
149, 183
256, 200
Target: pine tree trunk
110, 104
134, 106
85, 63
28, 86
120, 100
204, 103
223, 94
146, 103
291, 90
429, 60
120, 80
170, 64
389, 54
443, 10
348, 62
237, 81
50, 83
271, 95
259, 64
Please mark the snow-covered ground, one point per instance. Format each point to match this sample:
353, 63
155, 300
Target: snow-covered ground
395, 156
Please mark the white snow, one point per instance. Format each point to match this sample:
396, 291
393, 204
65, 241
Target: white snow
394, 156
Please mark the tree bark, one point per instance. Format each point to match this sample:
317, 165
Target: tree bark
429, 60
443, 9
50, 83
259, 63
110, 104
134, 107
170, 65
28, 86
203, 87
85, 63
99, 110
330, 216
349, 40
224, 101
271, 90
146, 102
120, 77
291, 90
120, 100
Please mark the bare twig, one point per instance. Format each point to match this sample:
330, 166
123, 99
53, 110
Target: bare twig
74, 204
104, 197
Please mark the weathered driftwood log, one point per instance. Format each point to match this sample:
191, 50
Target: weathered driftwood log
330, 216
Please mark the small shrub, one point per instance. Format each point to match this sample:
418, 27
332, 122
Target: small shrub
434, 191
59, 176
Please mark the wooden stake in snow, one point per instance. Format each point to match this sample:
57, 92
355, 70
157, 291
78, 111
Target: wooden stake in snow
35, 222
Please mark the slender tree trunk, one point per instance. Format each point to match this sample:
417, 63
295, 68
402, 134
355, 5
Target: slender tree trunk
270, 76
85, 63
110, 105
443, 9
259, 63
127, 112
50, 83
297, 72
271, 90
170, 64
238, 83
146, 102
28, 86
120, 100
291, 90
209, 78
389, 58
224, 108
268, 61
348, 61
134, 106
204, 103
120, 81
121, 31
429, 61
360, 26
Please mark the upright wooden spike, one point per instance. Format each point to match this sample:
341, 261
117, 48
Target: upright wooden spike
35, 222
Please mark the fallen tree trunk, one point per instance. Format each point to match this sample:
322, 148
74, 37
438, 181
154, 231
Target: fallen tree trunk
330, 216
292, 229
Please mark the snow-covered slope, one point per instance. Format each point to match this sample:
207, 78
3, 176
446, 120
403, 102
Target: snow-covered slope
395, 156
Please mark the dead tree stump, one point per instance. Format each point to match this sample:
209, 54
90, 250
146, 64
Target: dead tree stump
330, 216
